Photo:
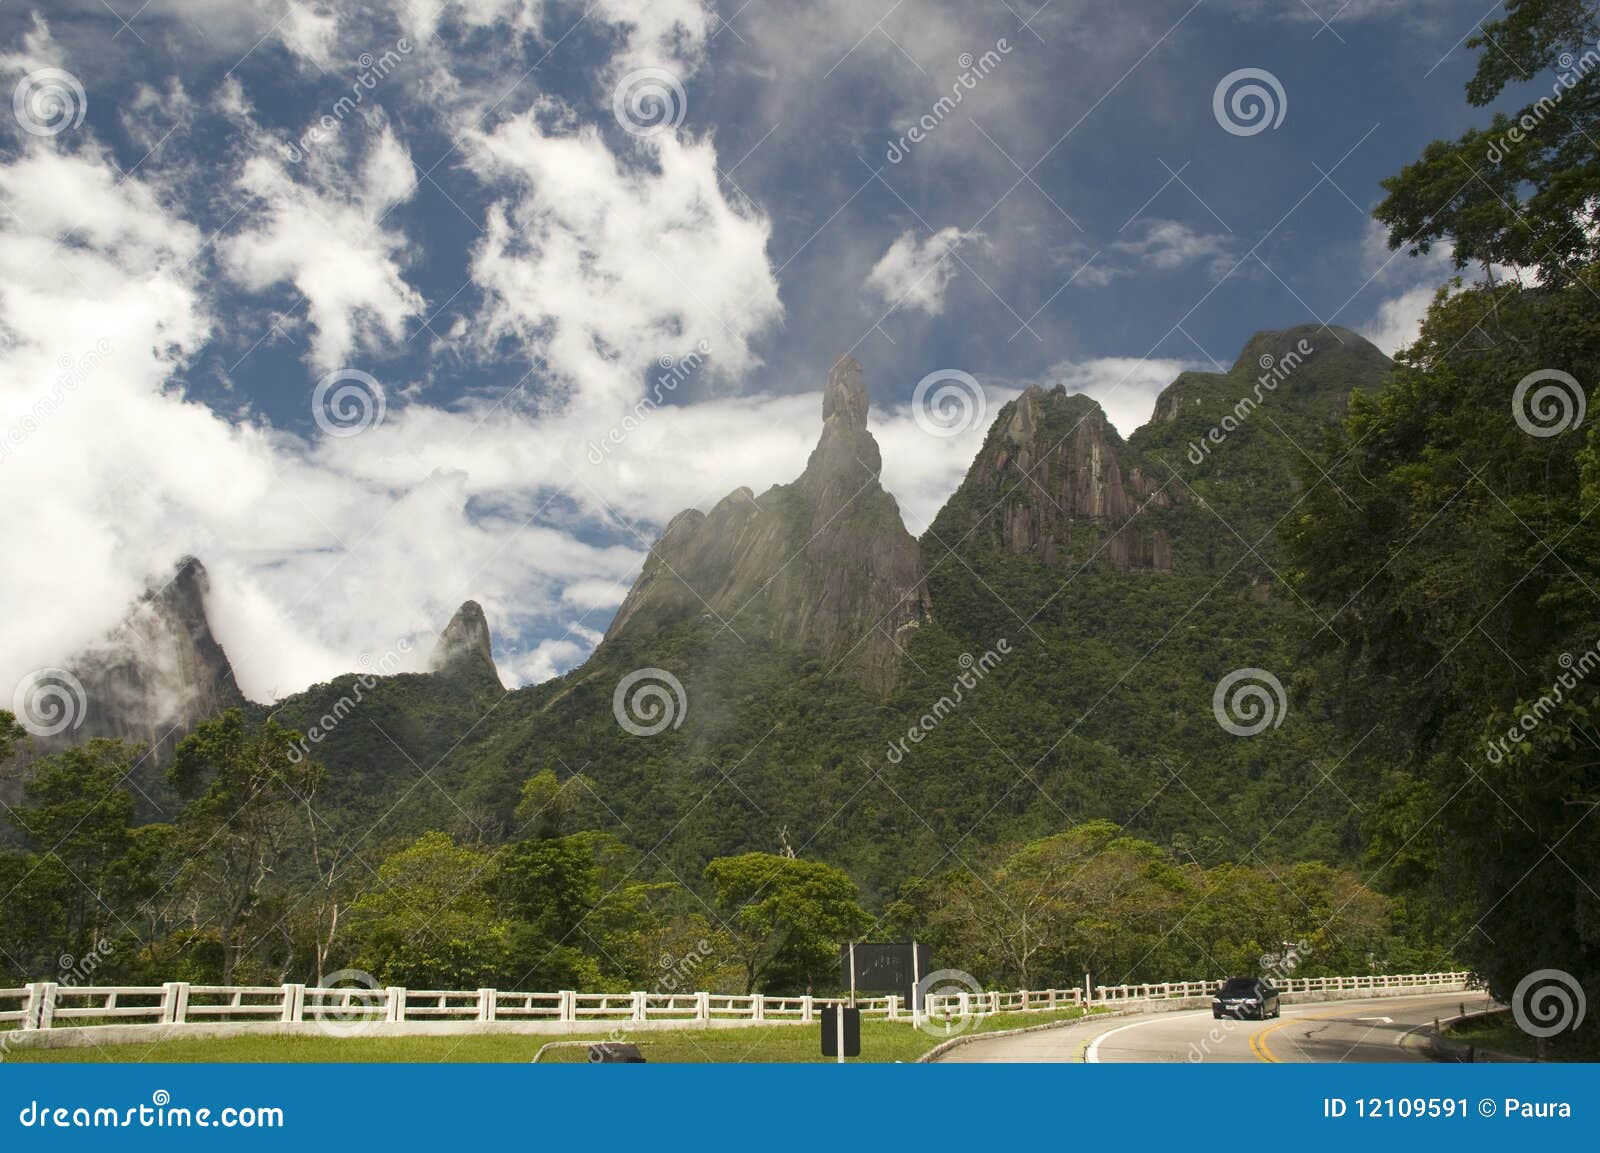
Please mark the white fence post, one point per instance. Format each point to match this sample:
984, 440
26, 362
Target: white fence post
396, 1004
293, 1003
569, 1005
892, 1010
639, 1004
48, 992
758, 1007
702, 1006
30, 1011
807, 1008
486, 1004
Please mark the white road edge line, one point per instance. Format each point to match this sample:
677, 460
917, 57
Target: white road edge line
1091, 1055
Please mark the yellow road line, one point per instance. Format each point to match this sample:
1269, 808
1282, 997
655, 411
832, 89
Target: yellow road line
1258, 1040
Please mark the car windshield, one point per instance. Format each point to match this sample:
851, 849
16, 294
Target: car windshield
1240, 985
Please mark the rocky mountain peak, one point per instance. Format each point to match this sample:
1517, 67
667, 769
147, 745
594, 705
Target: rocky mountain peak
823, 563
1053, 470
465, 645
157, 674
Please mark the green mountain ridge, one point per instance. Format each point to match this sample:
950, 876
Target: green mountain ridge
1124, 581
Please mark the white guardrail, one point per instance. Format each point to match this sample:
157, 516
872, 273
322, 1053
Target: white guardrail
47, 1005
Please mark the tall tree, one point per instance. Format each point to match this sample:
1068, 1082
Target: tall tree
246, 791
1521, 190
788, 917
1453, 555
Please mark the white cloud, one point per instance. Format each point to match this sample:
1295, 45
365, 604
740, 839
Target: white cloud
915, 271
322, 229
1125, 386
309, 29
599, 265
1170, 244
1407, 282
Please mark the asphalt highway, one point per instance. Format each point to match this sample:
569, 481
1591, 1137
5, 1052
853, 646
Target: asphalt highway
1326, 1031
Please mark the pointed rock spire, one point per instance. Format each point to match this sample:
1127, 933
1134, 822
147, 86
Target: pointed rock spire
465, 645
824, 562
846, 395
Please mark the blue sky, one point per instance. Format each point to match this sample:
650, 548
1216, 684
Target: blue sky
361, 356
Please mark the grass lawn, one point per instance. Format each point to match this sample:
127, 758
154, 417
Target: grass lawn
1500, 1033
880, 1041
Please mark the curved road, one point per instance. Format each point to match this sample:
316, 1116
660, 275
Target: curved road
1369, 1030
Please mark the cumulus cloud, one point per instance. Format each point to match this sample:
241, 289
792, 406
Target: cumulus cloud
598, 263
322, 229
915, 271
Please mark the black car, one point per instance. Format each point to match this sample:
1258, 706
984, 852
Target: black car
1245, 997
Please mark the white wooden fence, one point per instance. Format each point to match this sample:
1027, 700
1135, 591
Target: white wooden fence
47, 1005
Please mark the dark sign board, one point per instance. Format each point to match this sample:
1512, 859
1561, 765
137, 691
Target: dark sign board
830, 1031
885, 968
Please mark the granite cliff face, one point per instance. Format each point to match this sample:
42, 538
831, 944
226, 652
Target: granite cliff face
1054, 466
823, 562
